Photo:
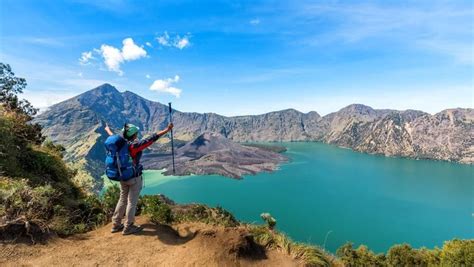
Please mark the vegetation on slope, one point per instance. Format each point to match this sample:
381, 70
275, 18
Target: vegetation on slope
453, 253
37, 194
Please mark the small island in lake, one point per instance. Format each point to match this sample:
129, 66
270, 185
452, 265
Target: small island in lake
212, 153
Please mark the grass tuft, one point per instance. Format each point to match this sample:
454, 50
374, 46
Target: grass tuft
310, 255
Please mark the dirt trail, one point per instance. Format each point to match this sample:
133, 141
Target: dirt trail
191, 244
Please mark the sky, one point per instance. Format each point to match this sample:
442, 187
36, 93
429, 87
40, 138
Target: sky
246, 57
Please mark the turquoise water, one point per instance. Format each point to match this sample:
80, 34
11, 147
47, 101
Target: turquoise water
344, 195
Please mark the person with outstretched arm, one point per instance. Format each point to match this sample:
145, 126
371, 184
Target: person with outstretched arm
130, 189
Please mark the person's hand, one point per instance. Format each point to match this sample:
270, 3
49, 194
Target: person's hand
166, 130
107, 129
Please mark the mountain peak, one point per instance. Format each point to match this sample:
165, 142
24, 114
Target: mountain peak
105, 88
359, 108
102, 97
100, 91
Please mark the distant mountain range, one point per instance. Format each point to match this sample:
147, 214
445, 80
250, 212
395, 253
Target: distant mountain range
78, 123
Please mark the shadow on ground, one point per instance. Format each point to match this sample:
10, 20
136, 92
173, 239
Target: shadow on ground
167, 234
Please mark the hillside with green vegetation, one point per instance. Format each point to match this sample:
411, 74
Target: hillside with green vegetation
40, 199
37, 192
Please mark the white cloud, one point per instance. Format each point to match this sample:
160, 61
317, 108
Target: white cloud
176, 41
148, 44
165, 86
131, 51
86, 57
182, 43
254, 21
114, 57
164, 40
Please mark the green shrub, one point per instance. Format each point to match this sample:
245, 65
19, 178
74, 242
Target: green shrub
93, 213
362, 256
223, 217
457, 253
454, 253
157, 210
53, 148
205, 214
404, 255
46, 209
33, 204
110, 198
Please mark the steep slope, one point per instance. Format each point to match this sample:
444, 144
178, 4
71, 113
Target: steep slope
211, 153
78, 123
448, 135
388, 135
343, 126
373, 131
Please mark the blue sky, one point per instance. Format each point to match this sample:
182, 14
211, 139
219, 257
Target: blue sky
246, 57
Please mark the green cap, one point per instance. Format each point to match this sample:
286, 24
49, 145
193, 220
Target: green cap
131, 130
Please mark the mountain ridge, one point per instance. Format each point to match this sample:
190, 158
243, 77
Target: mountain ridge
446, 135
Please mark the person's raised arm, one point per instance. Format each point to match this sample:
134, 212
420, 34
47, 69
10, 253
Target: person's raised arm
146, 142
107, 129
165, 131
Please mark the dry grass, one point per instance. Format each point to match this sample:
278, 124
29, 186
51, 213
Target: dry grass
310, 255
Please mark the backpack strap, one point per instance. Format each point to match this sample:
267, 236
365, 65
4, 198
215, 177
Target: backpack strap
120, 145
119, 165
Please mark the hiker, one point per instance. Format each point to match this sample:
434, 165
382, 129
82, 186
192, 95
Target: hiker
130, 189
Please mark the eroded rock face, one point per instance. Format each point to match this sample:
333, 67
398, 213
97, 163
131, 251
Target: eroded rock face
78, 124
447, 135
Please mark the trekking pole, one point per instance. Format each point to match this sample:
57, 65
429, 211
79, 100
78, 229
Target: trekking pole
171, 132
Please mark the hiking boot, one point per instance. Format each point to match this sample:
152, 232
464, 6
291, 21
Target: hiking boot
132, 229
117, 228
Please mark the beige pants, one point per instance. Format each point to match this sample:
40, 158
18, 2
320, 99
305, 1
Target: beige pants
127, 204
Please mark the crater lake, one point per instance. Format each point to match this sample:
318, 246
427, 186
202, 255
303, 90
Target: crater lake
327, 196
